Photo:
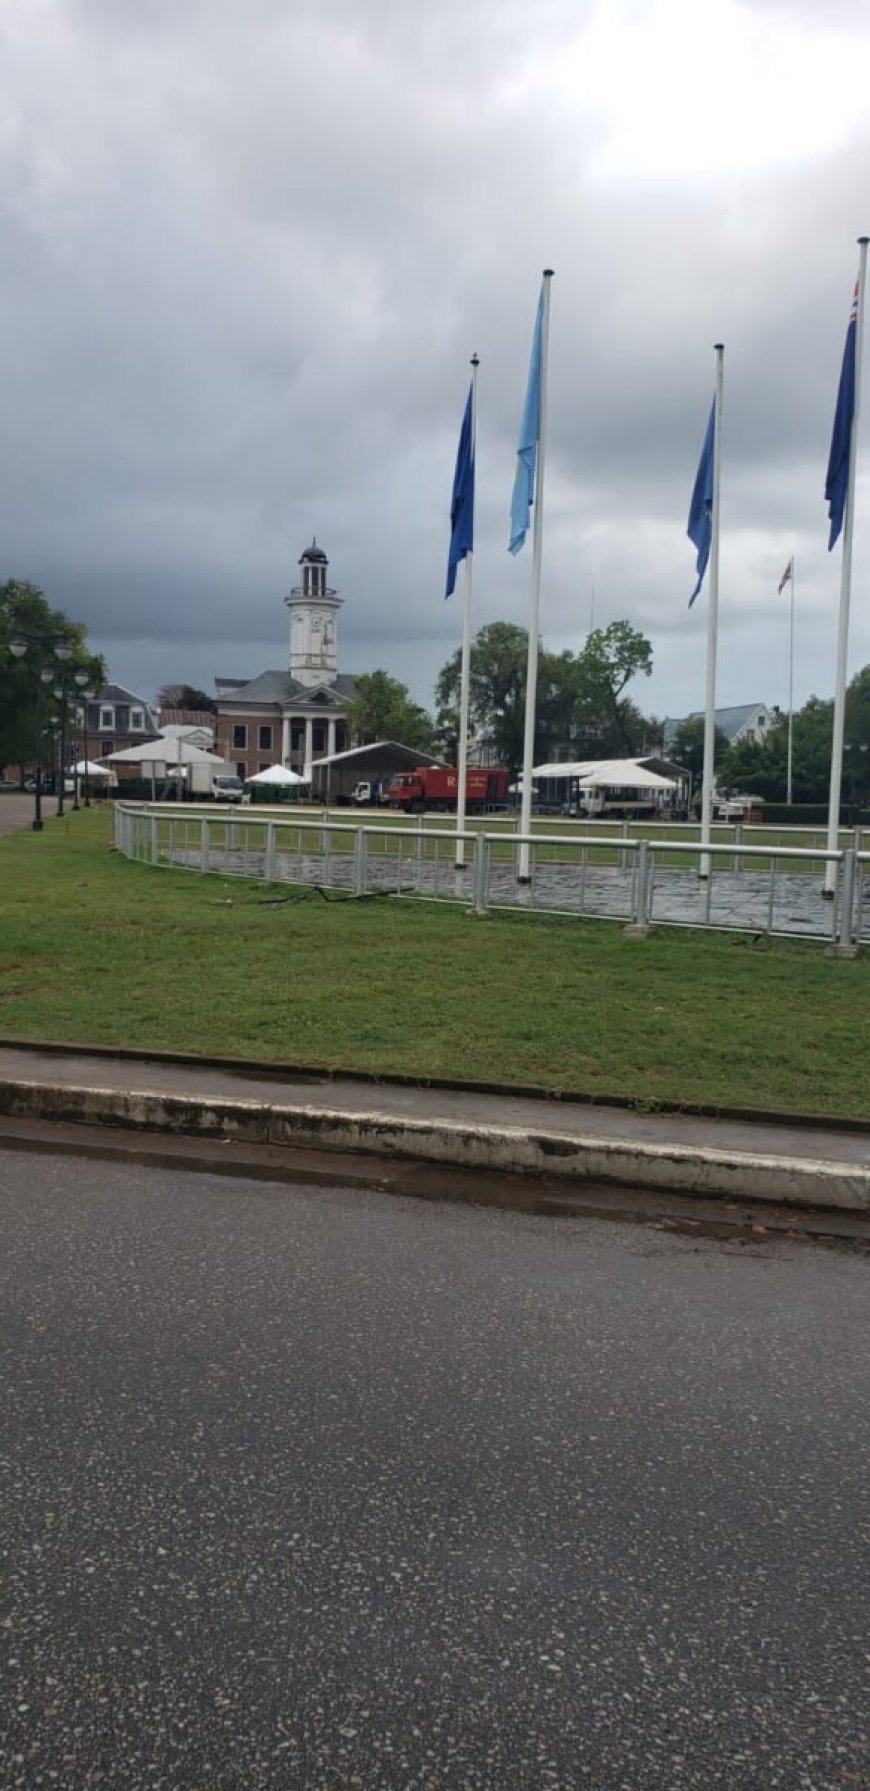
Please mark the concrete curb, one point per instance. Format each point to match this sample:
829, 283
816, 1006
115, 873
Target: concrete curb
514, 1150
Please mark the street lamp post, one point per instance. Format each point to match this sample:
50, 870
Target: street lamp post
46, 644
80, 679
87, 696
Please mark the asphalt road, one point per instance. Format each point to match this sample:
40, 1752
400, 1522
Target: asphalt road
330, 1489
16, 809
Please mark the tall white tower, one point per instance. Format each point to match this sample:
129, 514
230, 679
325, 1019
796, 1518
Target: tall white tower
314, 622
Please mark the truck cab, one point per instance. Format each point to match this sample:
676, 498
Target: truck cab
227, 788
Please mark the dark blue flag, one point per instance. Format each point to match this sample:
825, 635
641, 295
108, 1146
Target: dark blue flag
700, 524
462, 504
837, 481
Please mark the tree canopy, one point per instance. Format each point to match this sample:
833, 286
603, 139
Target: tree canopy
581, 710
185, 696
25, 612
381, 709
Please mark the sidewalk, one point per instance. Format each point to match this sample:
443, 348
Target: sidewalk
795, 1164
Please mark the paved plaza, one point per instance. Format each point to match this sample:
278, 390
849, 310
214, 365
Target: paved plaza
739, 899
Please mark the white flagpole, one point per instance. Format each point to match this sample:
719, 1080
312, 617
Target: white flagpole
712, 622
465, 674
845, 596
788, 778
524, 866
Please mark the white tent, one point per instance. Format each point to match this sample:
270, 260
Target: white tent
593, 774
163, 753
89, 768
624, 774
279, 775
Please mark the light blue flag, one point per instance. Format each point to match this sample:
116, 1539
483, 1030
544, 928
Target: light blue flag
527, 446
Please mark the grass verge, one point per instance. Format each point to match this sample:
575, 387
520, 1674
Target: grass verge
97, 950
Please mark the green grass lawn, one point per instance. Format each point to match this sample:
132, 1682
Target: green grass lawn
99, 950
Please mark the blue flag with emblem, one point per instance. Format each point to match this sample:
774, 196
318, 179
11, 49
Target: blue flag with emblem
700, 524
462, 502
527, 445
837, 481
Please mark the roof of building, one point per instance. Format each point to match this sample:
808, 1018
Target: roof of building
187, 718
410, 754
728, 721
313, 553
280, 687
116, 693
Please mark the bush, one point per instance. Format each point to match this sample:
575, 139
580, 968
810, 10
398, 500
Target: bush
814, 814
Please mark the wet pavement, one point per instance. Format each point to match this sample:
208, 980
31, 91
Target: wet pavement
17, 810
741, 900
318, 1489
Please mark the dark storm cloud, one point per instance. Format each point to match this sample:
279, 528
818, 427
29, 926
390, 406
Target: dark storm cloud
248, 250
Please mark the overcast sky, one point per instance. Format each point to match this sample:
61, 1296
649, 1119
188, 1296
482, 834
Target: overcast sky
249, 246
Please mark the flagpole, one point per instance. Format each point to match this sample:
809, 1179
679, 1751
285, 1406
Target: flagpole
712, 623
788, 778
524, 866
845, 597
465, 674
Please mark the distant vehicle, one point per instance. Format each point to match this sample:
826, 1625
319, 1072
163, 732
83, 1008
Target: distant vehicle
370, 790
227, 789
8, 783
436, 787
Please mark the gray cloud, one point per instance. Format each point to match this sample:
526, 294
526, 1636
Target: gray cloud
248, 250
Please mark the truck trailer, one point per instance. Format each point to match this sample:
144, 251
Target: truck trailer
436, 788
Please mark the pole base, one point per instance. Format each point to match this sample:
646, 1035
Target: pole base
525, 881
36, 826
827, 895
841, 951
459, 867
636, 930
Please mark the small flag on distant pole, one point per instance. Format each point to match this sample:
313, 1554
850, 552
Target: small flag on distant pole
527, 445
837, 481
786, 577
700, 524
462, 502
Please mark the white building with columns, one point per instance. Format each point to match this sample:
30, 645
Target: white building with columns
295, 716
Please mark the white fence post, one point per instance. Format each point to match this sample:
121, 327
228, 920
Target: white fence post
481, 874
269, 859
360, 860
204, 840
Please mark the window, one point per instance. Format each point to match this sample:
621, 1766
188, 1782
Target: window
240, 735
137, 721
263, 765
242, 770
297, 736
106, 746
107, 718
265, 740
318, 737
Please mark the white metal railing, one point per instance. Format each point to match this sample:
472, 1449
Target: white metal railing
762, 888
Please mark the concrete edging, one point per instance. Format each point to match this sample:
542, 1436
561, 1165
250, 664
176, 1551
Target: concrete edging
512, 1150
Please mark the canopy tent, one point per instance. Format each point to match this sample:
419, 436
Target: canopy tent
89, 768
278, 775
165, 753
595, 774
623, 774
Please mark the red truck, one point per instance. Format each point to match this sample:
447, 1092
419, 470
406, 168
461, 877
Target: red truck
437, 787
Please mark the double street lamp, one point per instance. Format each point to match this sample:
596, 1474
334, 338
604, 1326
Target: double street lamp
46, 646
69, 686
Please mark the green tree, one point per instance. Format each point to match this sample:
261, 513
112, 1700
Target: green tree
687, 749
581, 710
497, 691
185, 696
381, 709
24, 611
607, 724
